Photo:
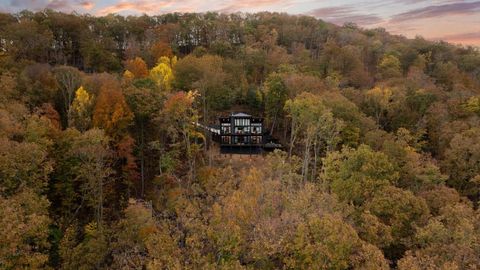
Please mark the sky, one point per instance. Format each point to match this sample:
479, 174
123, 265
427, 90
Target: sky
450, 20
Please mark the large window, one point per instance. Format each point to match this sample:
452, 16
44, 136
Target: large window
226, 129
239, 130
256, 128
242, 122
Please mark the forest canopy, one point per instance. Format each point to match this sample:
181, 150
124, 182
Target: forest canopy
102, 166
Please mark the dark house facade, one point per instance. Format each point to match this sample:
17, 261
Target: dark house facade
241, 132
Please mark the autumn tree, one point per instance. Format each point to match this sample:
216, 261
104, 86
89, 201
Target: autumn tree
276, 94
160, 49
162, 73
207, 75
269, 203
177, 119
24, 176
38, 84
402, 212
378, 100
27, 39
145, 102
449, 241
137, 67
356, 175
111, 112
69, 80
90, 252
25, 230
80, 112
462, 163
314, 124
473, 105
389, 67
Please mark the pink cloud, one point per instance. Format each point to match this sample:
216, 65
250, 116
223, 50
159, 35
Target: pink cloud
438, 11
342, 14
463, 38
88, 5
236, 5
142, 6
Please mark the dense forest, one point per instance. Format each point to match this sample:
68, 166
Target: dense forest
101, 166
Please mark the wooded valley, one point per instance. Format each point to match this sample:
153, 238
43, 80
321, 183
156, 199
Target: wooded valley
102, 167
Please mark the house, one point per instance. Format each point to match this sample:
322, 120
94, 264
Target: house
241, 132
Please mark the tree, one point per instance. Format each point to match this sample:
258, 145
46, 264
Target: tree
69, 80
329, 243
131, 234
137, 67
145, 102
418, 171
462, 162
402, 211
24, 175
275, 221
38, 83
128, 76
449, 241
89, 253
389, 67
90, 149
160, 49
27, 39
23, 164
447, 75
206, 74
80, 112
162, 74
25, 228
473, 105
314, 123
378, 101
177, 119
8, 86
111, 112
357, 175
276, 94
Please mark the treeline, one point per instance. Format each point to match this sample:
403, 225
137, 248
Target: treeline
102, 168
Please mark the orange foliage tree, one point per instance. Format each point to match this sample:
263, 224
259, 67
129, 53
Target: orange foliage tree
111, 112
137, 67
160, 49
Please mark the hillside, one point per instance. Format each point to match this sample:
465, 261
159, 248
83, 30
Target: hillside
101, 166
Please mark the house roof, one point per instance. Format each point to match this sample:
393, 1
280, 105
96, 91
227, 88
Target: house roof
240, 115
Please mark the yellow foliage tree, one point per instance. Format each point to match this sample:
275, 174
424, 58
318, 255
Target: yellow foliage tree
162, 73
473, 105
80, 112
379, 99
128, 75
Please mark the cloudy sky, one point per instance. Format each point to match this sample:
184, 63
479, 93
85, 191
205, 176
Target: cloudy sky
451, 20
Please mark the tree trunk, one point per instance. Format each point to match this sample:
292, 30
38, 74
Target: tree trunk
292, 137
316, 147
306, 158
142, 156
273, 124
189, 155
